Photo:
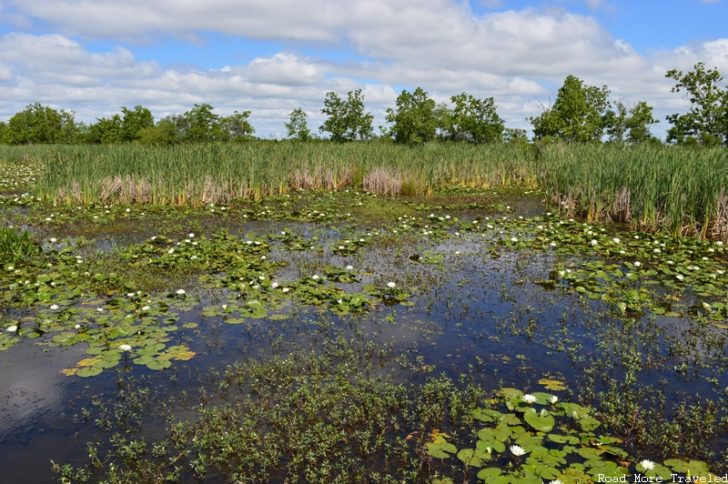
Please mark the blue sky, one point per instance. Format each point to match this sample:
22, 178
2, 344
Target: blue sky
270, 56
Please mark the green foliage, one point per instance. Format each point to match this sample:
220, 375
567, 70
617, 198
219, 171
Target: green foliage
414, 120
16, 246
346, 119
37, 124
578, 114
474, 120
632, 127
162, 134
707, 120
106, 130
297, 126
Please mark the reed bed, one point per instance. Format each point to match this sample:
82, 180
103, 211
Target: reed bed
651, 187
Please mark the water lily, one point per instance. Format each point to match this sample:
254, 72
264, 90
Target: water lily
55, 307
553, 399
528, 398
648, 465
391, 285
12, 329
637, 263
517, 450
593, 242
53, 240
274, 285
616, 240
286, 289
315, 277
191, 235
146, 308
181, 292
349, 268
514, 239
125, 347
556, 482
680, 277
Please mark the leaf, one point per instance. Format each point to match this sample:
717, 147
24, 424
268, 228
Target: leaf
543, 422
553, 385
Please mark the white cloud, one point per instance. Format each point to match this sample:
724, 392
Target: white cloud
517, 56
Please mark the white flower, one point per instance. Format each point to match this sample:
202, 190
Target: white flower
552, 244
146, 308
528, 398
99, 310
12, 329
648, 465
517, 450
349, 268
128, 210
553, 399
391, 285
315, 277
556, 482
593, 242
286, 289
680, 277
55, 307
514, 239
125, 347
637, 263
616, 240
53, 240
224, 306
191, 235
274, 285
181, 292
170, 251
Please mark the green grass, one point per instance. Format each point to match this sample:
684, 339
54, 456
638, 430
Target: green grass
682, 190
15, 246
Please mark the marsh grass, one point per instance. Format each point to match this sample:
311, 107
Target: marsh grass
682, 190
16, 246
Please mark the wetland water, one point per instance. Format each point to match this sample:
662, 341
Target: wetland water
488, 290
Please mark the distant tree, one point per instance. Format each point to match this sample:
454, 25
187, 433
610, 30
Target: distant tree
235, 127
40, 124
346, 119
515, 136
200, 124
134, 120
3, 131
631, 126
107, 130
578, 114
297, 126
162, 134
707, 120
414, 120
474, 120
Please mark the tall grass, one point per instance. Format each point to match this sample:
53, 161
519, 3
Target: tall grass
652, 187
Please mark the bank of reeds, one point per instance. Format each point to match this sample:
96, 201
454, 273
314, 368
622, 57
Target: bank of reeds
684, 190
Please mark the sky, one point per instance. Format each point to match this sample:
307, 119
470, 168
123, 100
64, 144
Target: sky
271, 56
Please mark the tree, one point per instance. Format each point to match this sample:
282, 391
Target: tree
632, 126
297, 126
107, 130
578, 114
347, 120
162, 134
707, 120
199, 124
134, 120
515, 136
414, 120
474, 120
40, 124
235, 127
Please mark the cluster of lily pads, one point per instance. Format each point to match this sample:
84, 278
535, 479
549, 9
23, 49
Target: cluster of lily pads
536, 437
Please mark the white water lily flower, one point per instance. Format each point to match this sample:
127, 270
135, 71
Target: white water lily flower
593, 242
191, 235
637, 263
125, 347
99, 310
680, 277
552, 244
648, 465
262, 257
55, 307
391, 285
528, 398
170, 251
286, 289
53, 240
181, 292
517, 450
556, 482
12, 329
553, 399
315, 277
514, 239
224, 306
146, 308
616, 240
349, 268
274, 285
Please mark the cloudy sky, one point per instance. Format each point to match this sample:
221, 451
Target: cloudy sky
270, 56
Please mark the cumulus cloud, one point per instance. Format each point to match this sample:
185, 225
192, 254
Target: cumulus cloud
517, 56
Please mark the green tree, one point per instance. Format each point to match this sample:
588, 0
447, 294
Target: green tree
474, 120
707, 120
578, 114
631, 126
200, 124
297, 126
235, 127
515, 136
107, 130
346, 119
414, 120
3, 131
40, 124
162, 134
134, 120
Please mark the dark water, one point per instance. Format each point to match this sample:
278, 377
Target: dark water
473, 314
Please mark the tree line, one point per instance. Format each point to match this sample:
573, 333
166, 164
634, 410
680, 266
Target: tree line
580, 113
